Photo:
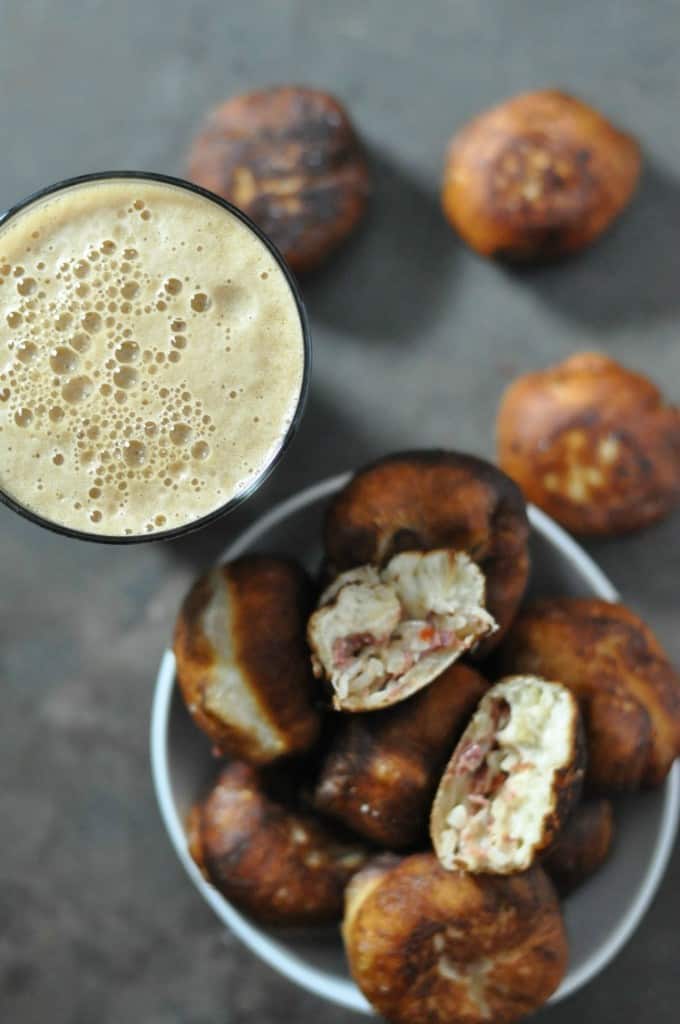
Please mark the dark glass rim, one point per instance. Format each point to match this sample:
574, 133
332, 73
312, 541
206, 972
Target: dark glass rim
256, 483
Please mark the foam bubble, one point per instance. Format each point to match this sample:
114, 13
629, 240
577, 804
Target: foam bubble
23, 417
181, 433
27, 286
77, 389
125, 377
134, 453
201, 450
63, 360
80, 341
92, 322
26, 352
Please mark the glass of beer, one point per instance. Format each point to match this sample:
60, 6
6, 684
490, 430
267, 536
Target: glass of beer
154, 357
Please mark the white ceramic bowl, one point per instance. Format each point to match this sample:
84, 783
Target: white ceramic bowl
600, 916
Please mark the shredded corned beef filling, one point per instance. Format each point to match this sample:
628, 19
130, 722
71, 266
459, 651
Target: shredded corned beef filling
347, 647
423, 636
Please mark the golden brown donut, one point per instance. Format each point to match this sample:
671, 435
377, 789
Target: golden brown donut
513, 779
434, 499
380, 774
289, 157
628, 691
278, 864
582, 846
592, 443
537, 177
242, 662
436, 946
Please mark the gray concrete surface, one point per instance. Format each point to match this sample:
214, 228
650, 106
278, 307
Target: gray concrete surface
414, 340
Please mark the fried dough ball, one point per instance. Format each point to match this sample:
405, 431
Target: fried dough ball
434, 499
425, 944
289, 157
382, 769
242, 661
513, 779
592, 443
628, 691
380, 635
538, 177
582, 847
280, 865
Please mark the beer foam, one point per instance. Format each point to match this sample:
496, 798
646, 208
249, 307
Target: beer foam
151, 357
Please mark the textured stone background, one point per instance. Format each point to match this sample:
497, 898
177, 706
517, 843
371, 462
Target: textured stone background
414, 340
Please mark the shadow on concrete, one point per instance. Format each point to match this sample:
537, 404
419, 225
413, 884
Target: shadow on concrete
388, 281
631, 275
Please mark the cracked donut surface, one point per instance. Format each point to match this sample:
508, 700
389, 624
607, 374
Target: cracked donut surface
426, 944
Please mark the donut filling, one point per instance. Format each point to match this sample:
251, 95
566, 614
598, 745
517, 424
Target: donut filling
502, 784
381, 634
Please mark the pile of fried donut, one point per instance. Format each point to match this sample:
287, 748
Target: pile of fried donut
410, 748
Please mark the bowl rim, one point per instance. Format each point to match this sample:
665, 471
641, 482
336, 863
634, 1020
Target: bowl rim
340, 991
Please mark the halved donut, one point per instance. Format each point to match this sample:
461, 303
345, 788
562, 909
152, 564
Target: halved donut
423, 500
379, 635
242, 661
512, 780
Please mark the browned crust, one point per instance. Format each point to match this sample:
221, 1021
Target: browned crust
537, 177
380, 774
430, 499
277, 864
628, 692
195, 839
401, 920
270, 600
289, 157
591, 422
583, 845
566, 790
